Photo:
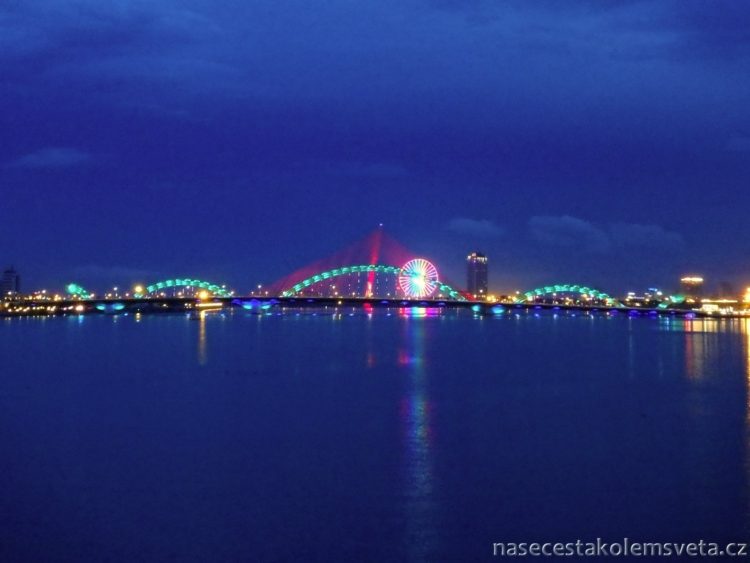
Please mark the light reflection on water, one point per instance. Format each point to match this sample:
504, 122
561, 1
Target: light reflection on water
707, 343
202, 349
746, 333
701, 342
415, 419
669, 391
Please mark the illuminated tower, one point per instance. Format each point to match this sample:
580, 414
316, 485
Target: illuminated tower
10, 283
476, 274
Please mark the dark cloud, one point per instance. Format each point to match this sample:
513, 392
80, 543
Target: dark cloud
635, 30
714, 30
77, 27
52, 157
738, 144
645, 236
359, 169
577, 233
569, 231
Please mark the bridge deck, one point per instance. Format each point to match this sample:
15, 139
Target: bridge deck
183, 304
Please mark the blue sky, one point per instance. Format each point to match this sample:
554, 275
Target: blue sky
606, 143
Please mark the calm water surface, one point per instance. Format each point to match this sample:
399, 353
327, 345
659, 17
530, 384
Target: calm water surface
371, 438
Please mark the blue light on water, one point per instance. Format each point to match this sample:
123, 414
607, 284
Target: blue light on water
110, 307
250, 305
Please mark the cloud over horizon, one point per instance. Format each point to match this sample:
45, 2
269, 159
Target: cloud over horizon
483, 228
51, 157
568, 231
653, 236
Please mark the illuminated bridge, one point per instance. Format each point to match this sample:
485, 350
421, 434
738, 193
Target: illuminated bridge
177, 287
374, 272
570, 294
378, 266
417, 279
192, 285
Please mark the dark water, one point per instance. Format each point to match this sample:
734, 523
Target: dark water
366, 438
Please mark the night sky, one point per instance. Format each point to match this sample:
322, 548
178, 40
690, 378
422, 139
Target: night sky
598, 142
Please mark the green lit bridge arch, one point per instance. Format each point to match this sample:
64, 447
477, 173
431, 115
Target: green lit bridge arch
442, 288
217, 290
76, 290
671, 301
582, 290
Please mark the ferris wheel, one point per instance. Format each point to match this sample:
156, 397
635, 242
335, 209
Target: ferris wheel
418, 278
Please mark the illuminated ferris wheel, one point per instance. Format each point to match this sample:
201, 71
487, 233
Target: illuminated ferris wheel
418, 278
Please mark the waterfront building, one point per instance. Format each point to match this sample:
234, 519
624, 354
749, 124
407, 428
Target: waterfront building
476, 274
691, 286
651, 297
10, 282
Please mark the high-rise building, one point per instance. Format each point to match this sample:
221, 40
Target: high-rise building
476, 274
10, 283
691, 286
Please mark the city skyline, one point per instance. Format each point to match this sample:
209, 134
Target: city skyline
605, 142
477, 286
377, 248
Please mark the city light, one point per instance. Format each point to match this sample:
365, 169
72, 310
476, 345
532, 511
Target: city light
417, 279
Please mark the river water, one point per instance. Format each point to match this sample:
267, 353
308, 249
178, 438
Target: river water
405, 435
